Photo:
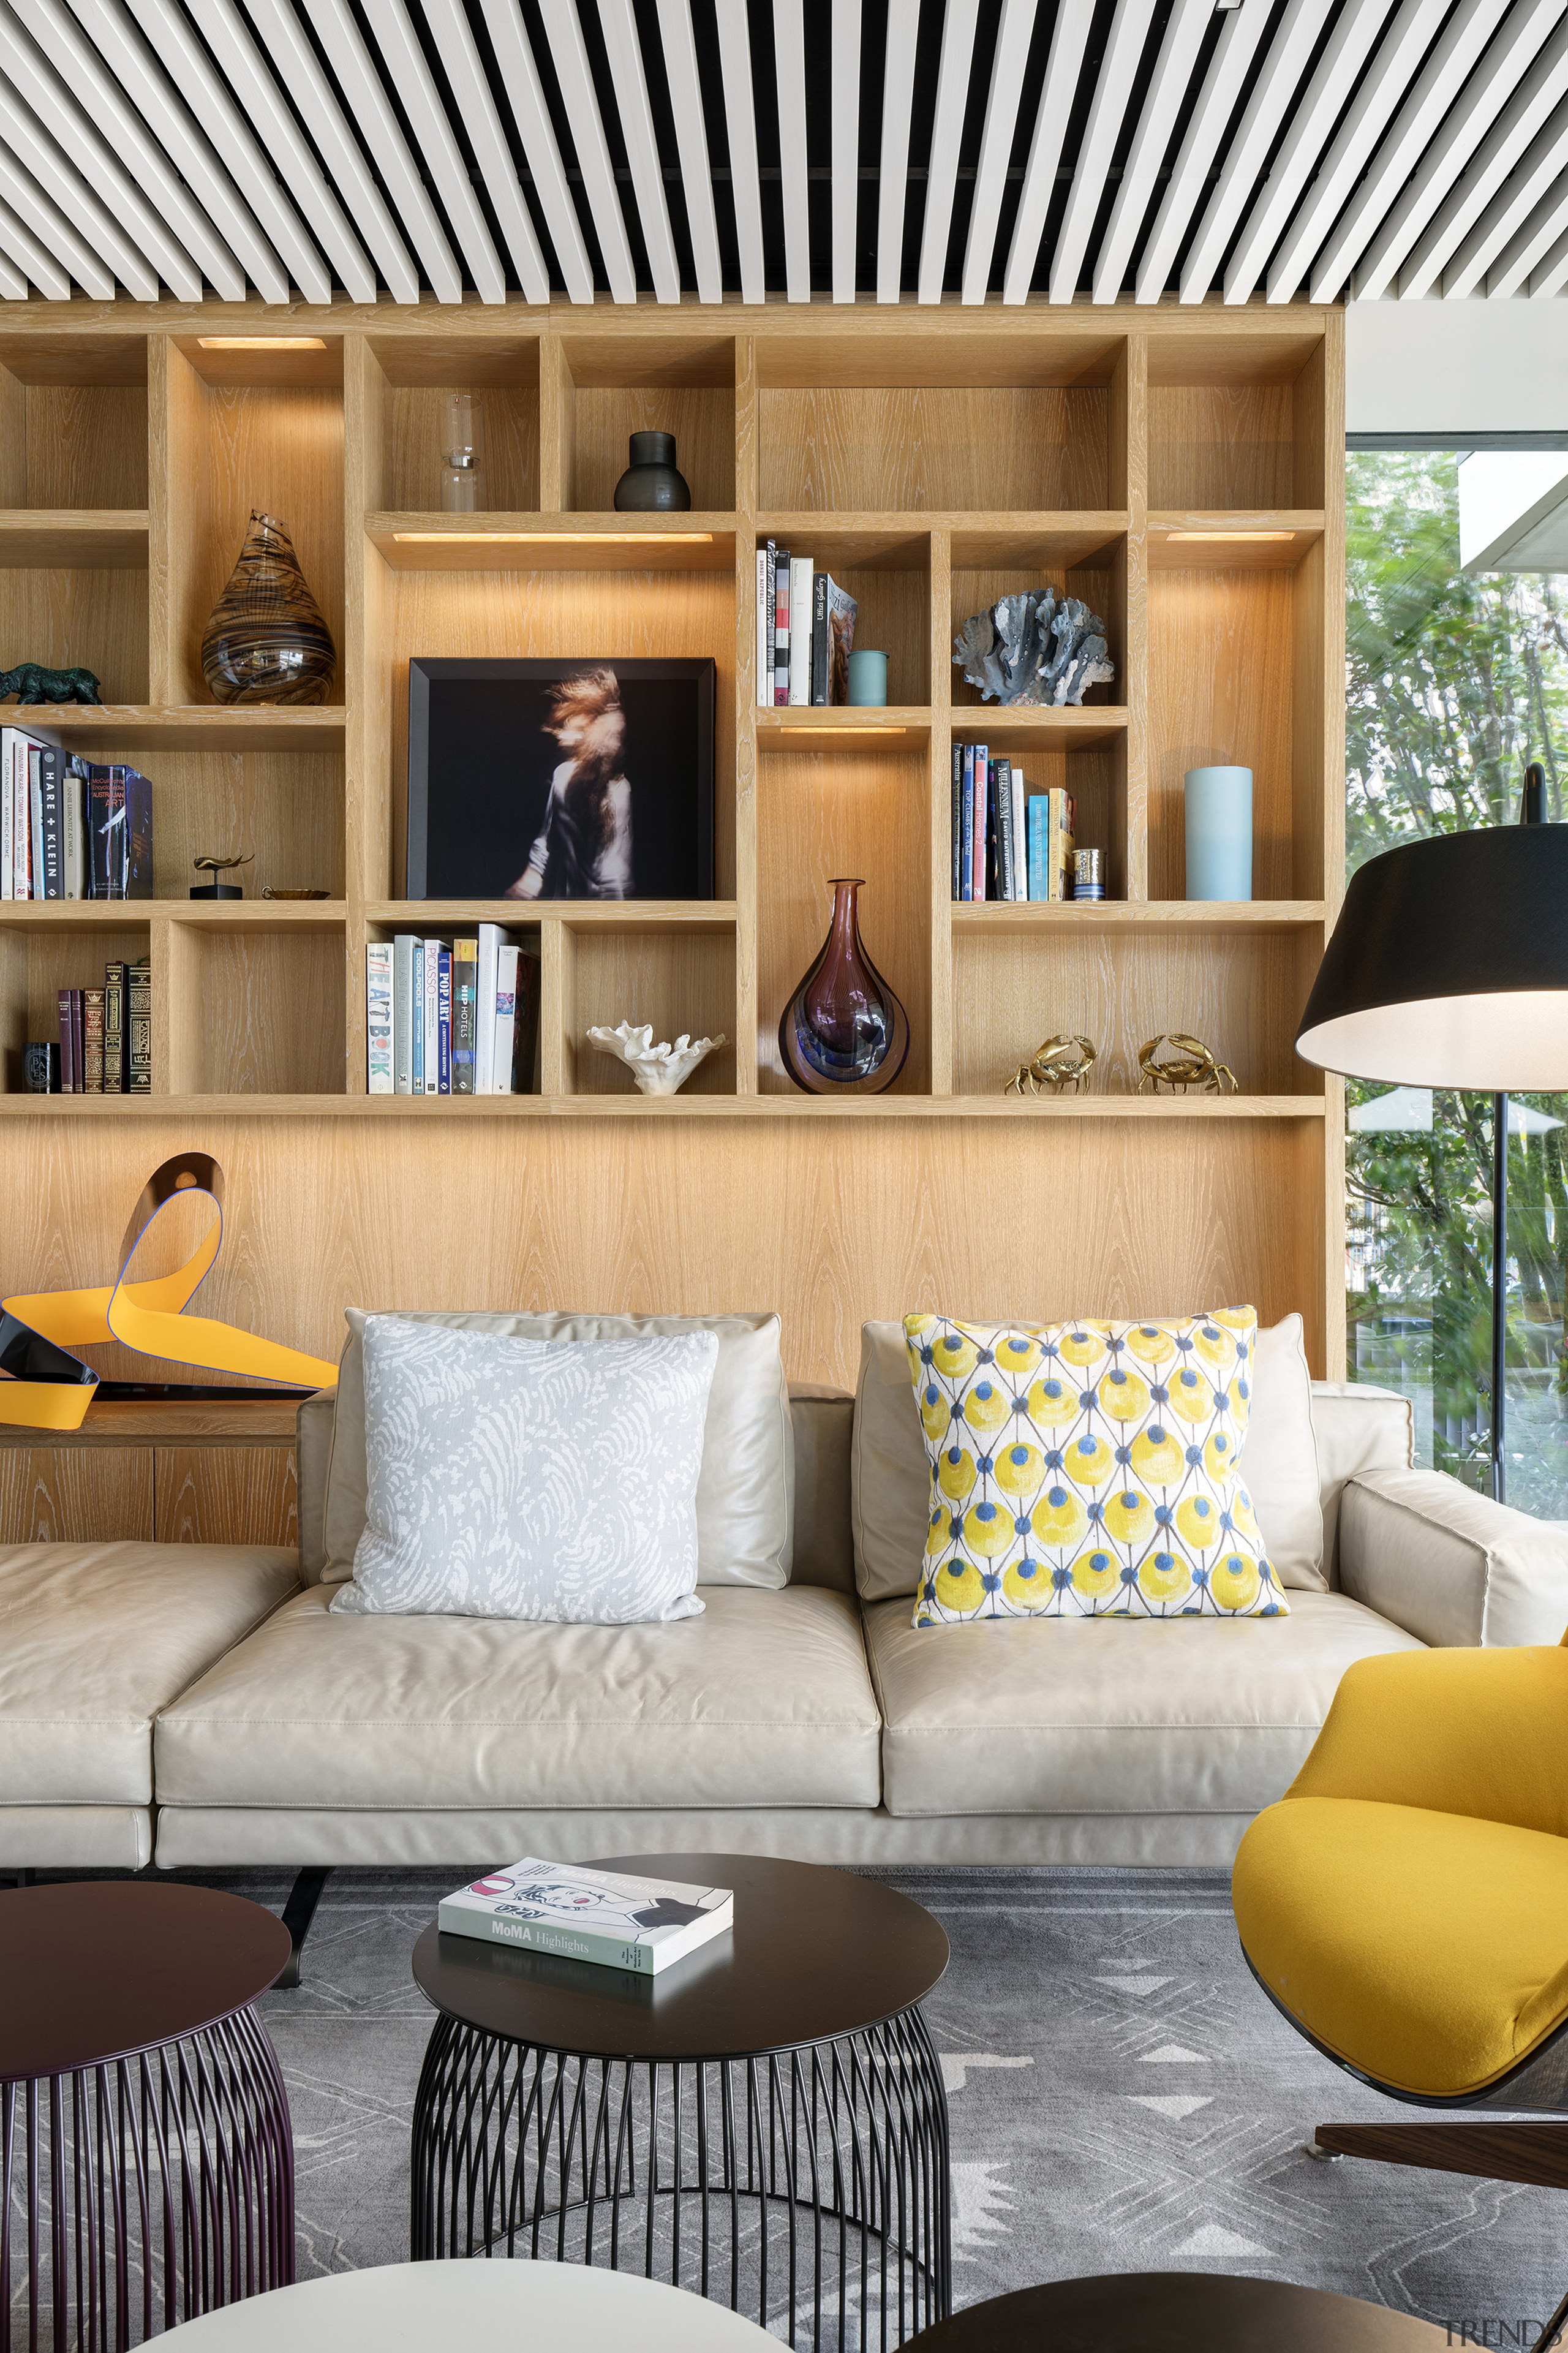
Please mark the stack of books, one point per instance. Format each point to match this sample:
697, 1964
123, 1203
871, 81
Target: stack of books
71, 828
455, 1017
805, 630
1007, 842
611, 1918
105, 1035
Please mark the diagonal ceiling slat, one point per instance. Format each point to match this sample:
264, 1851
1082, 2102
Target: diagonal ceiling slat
397, 150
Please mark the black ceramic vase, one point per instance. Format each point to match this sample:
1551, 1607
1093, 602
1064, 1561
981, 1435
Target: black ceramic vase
842, 1031
267, 640
650, 484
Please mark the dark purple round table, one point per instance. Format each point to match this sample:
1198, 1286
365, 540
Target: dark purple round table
1179, 2312
143, 2113
765, 2122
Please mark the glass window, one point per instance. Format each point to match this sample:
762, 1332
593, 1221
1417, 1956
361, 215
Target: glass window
1456, 679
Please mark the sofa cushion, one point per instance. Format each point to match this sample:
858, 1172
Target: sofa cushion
1104, 1715
745, 1493
95, 1639
892, 1483
763, 1700
1358, 1428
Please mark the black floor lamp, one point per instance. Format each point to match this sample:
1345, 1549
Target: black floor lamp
1448, 967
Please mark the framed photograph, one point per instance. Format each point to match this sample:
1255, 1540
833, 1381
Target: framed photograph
581, 779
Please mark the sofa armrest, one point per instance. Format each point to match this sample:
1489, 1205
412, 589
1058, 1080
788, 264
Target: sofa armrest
1450, 1567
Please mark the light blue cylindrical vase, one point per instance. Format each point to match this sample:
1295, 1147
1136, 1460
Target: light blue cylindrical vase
868, 677
1219, 833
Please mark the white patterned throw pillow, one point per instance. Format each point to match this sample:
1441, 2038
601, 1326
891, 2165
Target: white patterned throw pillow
508, 1478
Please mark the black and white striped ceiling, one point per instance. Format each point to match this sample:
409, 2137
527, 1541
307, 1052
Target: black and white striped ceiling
858, 149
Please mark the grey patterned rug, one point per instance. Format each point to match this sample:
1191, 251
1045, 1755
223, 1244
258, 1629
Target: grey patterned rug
1122, 2098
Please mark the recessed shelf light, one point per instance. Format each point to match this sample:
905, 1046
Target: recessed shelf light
557, 538
261, 343
1171, 536
875, 729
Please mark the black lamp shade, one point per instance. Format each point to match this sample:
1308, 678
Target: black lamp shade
1449, 966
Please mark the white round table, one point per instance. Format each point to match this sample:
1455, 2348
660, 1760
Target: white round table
423, 2307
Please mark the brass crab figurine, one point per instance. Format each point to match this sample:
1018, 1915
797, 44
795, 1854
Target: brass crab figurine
1060, 1063
1190, 1063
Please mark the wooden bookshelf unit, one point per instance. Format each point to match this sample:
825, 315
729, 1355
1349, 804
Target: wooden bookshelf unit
1181, 469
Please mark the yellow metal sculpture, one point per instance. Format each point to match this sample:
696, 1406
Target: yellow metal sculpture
1188, 1063
49, 1388
1060, 1063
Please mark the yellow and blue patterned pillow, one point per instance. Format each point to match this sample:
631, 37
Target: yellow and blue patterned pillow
1089, 1469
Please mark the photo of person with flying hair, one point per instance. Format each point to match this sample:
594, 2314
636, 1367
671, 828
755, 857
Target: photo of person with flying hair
584, 849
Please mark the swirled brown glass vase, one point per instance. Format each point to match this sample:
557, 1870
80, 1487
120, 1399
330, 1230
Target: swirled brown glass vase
267, 640
842, 1031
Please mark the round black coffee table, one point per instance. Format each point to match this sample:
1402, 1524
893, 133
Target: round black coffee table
1179, 2312
764, 2122
145, 2124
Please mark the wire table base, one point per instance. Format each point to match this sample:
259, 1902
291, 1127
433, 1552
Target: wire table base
806, 2187
137, 2192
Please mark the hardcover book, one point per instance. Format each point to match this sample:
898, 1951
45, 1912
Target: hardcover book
842, 609
92, 1041
801, 574
114, 1029
444, 1022
139, 998
52, 760
67, 1048
73, 828
402, 947
780, 625
506, 1018
464, 1002
609, 1917
378, 1016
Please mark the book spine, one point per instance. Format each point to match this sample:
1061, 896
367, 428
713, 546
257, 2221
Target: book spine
7, 814
98, 817
139, 998
51, 859
73, 814
966, 845
506, 1019
1020, 839
781, 626
485, 1010
68, 1056
378, 1016
417, 1020
957, 820
525, 1055
35, 821
765, 556
137, 834
819, 636
79, 1041
1034, 827
540, 1936
92, 1041
1005, 831
115, 1029
432, 1033
465, 990
444, 1022
402, 1013
119, 862
801, 573
982, 817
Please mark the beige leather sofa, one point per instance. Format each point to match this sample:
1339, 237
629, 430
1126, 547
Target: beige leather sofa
199, 1706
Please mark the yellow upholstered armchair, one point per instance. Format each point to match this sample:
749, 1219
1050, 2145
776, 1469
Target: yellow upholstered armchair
1406, 1904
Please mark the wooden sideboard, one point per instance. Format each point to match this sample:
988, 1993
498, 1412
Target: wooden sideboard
219, 1474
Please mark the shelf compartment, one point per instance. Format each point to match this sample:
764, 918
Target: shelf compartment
446, 919
558, 542
1120, 985
609, 388
1087, 759
616, 615
229, 1017
246, 432
833, 811
1235, 677
1236, 419
419, 372
899, 421
85, 615
1218, 539
887, 570
73, 422
1024, 561
40, 957
676, 975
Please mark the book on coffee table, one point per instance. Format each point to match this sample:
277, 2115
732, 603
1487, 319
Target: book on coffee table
610, 1917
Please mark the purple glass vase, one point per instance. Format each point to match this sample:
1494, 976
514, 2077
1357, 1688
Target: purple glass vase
843, 1030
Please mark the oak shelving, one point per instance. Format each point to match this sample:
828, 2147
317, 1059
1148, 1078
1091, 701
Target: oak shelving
1178, 470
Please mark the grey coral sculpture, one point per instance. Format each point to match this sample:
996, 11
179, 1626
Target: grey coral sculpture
1031, 648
